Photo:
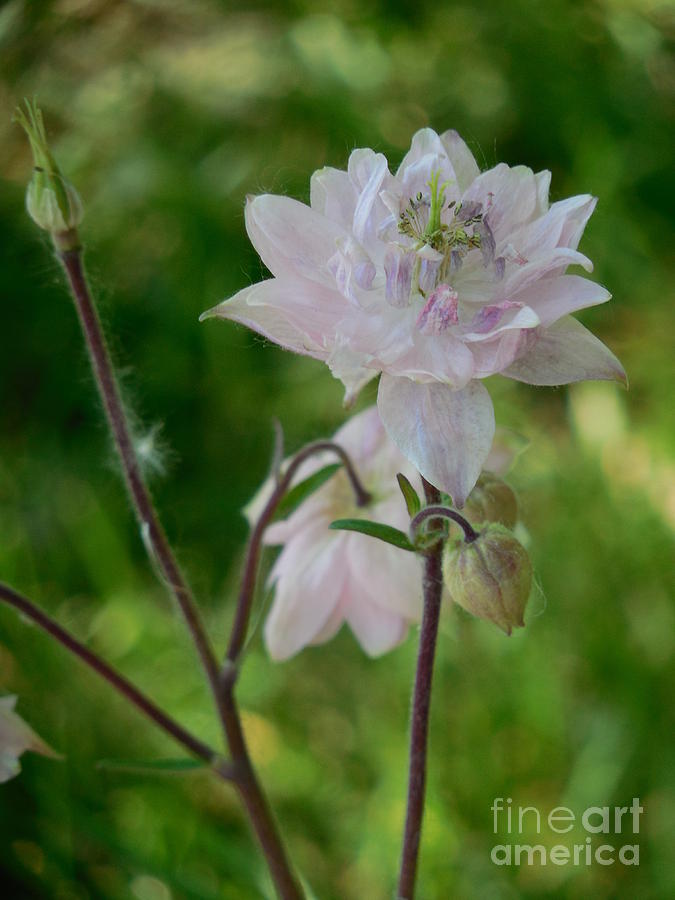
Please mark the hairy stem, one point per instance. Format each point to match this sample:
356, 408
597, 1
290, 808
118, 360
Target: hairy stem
249, 577
433, 588
121, 684
138, 491
246, 783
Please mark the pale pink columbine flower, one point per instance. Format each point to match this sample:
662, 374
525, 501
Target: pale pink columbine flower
15, 738
437, 277
324, 578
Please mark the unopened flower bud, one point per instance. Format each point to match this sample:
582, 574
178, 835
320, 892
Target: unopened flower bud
51, 200
491, 500
490, 577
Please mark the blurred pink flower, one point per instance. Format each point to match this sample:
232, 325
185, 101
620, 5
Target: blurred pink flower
15, 738
324, 578
437, 277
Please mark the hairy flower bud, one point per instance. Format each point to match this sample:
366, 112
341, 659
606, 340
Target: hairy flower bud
492, 500
490, 577
51, 200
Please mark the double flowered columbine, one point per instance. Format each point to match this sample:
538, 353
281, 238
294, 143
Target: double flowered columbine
15, 738
436, 277
323, 578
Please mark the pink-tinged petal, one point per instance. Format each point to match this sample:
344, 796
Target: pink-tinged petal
495, 355
398, 269
441, 358
299, 316
439, 311
309, 576
332, 626
553, 298
386, 576
425, 142
291, 238
508, 196
354, 272
376, 629
445, 434
492, 319
561, 226
369, 174
461, 158
564, 353
550, 262
347, 365
333, 195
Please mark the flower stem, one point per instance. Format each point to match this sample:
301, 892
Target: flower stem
442, 512
248, 581
121, 684
138, 491
245, 780
433, 588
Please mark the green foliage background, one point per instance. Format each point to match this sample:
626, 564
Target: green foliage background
166, 113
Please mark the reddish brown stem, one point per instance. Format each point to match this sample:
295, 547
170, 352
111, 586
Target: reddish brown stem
419, 726
121, 684
247, 785
249, 577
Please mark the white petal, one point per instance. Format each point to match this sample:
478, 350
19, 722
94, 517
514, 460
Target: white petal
298, 315
564, 353
376, 629
291, 238
462, 159
333, 195
388, 577
553, 298
446, 434
310, 577
425, 142
508, 195
543, 180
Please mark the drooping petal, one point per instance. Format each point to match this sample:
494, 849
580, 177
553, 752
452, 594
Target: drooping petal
376, 629
439, 357
386, 576
553, 298
564, 353
462, 159
446, 434
291, 238
297, 315
309, 577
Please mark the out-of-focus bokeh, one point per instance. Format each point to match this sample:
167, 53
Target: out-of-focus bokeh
166, 113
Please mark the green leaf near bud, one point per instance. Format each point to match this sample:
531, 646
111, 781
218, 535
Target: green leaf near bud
410, 495
492, 500
304, 489
490, 577
375, 529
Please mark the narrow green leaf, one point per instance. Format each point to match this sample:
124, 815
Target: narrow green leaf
376, 530
305, 488
410, 495
151, 766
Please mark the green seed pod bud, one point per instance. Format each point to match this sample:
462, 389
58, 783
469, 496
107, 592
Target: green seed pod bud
492, 500
490, 577
52, 201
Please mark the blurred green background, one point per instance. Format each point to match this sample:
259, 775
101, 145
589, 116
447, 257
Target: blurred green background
166, 113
